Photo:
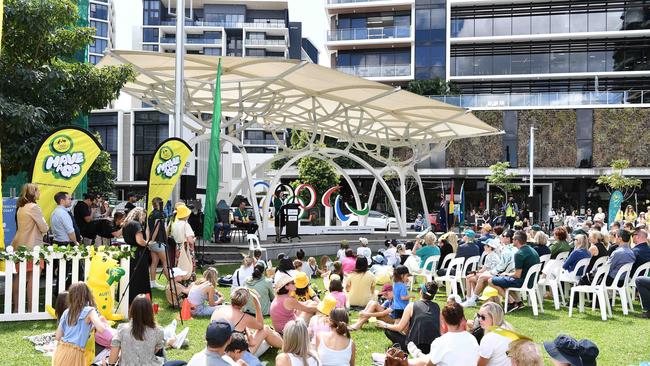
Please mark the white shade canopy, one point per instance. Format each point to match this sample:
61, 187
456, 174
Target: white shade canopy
281, 93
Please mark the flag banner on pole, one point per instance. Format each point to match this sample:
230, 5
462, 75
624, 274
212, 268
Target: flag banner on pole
461, 212
61, 163
212, 186
451, 199
615, 202
166, 167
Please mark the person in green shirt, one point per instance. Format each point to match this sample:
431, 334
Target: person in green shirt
428, 250
560, 244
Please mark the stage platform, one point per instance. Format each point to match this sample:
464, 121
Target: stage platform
313, 245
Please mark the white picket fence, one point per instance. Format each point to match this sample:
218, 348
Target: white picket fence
37, 311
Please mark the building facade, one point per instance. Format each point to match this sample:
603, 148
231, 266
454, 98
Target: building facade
101, 16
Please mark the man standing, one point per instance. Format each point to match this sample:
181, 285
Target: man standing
551, 219
131, 198
621, 256
511, 210
83, 216
217, 337
242, 220
525, 258
61, 221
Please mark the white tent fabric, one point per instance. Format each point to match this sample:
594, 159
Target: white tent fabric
280, 93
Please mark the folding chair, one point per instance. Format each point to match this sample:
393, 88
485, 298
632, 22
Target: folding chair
544, 259
531, 290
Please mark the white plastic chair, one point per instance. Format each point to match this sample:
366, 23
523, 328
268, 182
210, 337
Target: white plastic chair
431, 262
599, 263
450, 280
471, 264
562, 256
641, 271
253, 244
530, 290
622, 274
597, 288
481, 261
571, 278
551, 281
544, 259
448, 258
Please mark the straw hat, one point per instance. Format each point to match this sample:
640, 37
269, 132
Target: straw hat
326, 306
282, 279
182, 212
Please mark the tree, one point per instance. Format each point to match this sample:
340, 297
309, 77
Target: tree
42, 87
101, 176
436, 86
502, 179
617, 181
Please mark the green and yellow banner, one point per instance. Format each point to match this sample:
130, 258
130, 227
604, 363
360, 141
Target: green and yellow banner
166, 167
62, 161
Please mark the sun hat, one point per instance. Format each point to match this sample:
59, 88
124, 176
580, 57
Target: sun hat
493, 243
301, 279
363, 241
282, 279
588, 352
387, 288
565, 349
469, 233
182, 212
326, 306
488, 293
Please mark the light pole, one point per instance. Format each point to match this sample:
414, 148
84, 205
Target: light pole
531, 159
179, 80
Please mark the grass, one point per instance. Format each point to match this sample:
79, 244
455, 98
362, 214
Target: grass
623, 340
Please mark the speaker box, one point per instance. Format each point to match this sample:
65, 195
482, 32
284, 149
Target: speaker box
188, 187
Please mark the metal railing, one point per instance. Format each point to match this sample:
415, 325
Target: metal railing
259, 142
200, 23
193, 40
350, 1
551, 99
350, 34
376, 71
270, 42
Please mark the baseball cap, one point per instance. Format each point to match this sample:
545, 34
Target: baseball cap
218, 333
387, 288
564, 348
536, 227
469, 233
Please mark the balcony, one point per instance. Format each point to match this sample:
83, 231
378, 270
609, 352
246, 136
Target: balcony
192, 40
335, 2
353, 34
259, 142
377, 71
266, 42
200, 23
536, 100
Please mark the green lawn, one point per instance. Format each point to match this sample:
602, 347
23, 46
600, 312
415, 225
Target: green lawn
622, 340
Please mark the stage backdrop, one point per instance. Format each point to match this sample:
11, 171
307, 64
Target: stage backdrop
166, 167
62, 161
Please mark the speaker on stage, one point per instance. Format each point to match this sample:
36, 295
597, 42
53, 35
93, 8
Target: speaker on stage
188, 187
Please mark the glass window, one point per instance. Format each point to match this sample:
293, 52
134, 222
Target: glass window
438, 19
633, 18
483, 27
614, 20
559, 62
483, 65
101, 28
98, 46
521, 25
597, 61
539, 63
98, 11
358, 23
560, 23
388, 59
150, 47
501, 64
465, 27
578, 62
212, 51
452, 65
373, 60
422, 19
520, 64
465, 65
357, 60
579, 22
597, 22
343, 59
344, 23
150, 34
403, 58
438, 55
540, 24
609, 58
502, 26
94, 59
402, 20
422, 56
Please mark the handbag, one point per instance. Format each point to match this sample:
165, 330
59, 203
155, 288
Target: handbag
396, 357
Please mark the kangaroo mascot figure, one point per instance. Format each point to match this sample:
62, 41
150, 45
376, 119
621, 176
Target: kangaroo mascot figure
104, 271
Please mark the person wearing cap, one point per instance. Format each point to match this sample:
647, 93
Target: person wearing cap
525, 258
320, 322
217, 338
420, 321
486, 234
284, 307
181, 230
640, 249
492, 260
242, 219
303, 292
364, 250
382, 311
567, 351
524, 352
506, 265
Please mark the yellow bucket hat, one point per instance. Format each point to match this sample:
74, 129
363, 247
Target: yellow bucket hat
182, 212
301, 279
328, 303
488, 293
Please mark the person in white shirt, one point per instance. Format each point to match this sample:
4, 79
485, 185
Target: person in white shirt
364, 250
340, 254
493, 347
241, 274
390, 253
600, 215
457, 347
551, 218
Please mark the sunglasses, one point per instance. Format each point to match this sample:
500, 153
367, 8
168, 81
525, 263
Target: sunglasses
481, 317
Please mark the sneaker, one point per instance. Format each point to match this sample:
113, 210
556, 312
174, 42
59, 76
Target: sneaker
414, 350
181, 337
470, 302
155, 284
512, 306
519, 305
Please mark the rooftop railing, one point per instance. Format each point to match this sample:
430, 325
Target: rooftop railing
549, 99
350, 1
351, 34
197, 23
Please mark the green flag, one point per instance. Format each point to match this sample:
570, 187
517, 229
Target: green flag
212, 188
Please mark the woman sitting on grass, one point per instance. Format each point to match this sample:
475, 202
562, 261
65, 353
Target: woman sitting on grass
335, 347
361, 284
284, 307
296, 349
203, 294
253, 327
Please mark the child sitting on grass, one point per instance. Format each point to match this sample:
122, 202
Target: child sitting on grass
237, 350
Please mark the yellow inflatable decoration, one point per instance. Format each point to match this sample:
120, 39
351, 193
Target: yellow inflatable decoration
104, 270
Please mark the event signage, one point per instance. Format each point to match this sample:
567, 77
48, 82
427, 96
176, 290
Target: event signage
615, 202
61, 162
166, 167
